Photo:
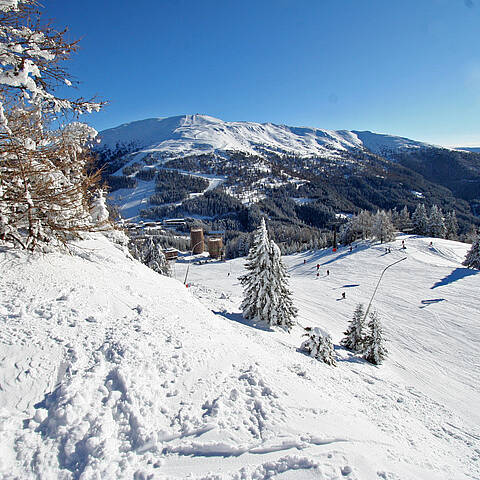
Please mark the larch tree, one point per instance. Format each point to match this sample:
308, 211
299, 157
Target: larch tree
472, 260
46, 187
383, 228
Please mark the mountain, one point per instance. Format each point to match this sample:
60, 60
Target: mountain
470, 149
109, 370
298, 176
198, 134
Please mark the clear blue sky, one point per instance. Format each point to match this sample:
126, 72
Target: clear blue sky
404, 67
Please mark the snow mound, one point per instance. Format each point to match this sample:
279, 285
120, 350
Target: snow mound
109, 370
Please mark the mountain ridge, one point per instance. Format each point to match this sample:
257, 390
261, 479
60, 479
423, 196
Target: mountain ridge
197, 134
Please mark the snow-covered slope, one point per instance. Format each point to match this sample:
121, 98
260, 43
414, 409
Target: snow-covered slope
108, 370
195, 134
382, 144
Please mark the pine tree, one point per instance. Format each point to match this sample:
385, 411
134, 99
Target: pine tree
472, 260
257, 281
375, 351
285, 312
319, 345
382, 227
266, 294
354, 336
404, 222
436, 224
451, 225
420, 220
152, 256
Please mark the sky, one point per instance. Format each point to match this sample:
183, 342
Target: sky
403, 67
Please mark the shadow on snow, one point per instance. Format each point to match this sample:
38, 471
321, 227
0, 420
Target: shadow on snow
237, 317
455, 275
426, 303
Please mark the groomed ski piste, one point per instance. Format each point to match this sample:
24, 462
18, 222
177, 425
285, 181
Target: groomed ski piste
109, 370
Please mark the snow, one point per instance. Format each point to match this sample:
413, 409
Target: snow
383, 144
417, 194
197, 134
108, 370
302, 200
130, 201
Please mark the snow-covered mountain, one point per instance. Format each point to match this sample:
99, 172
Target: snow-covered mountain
194, 134
109, 370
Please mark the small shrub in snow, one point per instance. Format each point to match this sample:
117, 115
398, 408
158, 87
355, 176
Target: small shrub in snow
354, 335
319, 345
375, 351
472, 260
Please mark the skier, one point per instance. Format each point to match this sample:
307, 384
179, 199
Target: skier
351, 249
318, 266
343, 295
304, 261
328, 273
318, 274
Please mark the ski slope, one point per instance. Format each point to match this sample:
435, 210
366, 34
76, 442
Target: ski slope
108, 370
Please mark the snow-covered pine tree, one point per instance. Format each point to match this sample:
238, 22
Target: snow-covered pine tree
383, 228
420, 220
404, 222
354, 335
472, 260
451, 225
257, 282
152, 256
375, 351
436, 223
319, 345
284, 312
266, 295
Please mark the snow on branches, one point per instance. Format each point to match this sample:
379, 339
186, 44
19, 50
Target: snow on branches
267, 297
31, 58
375, 351
472, 260
354, 335
46, 187
46, 184
319, 345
